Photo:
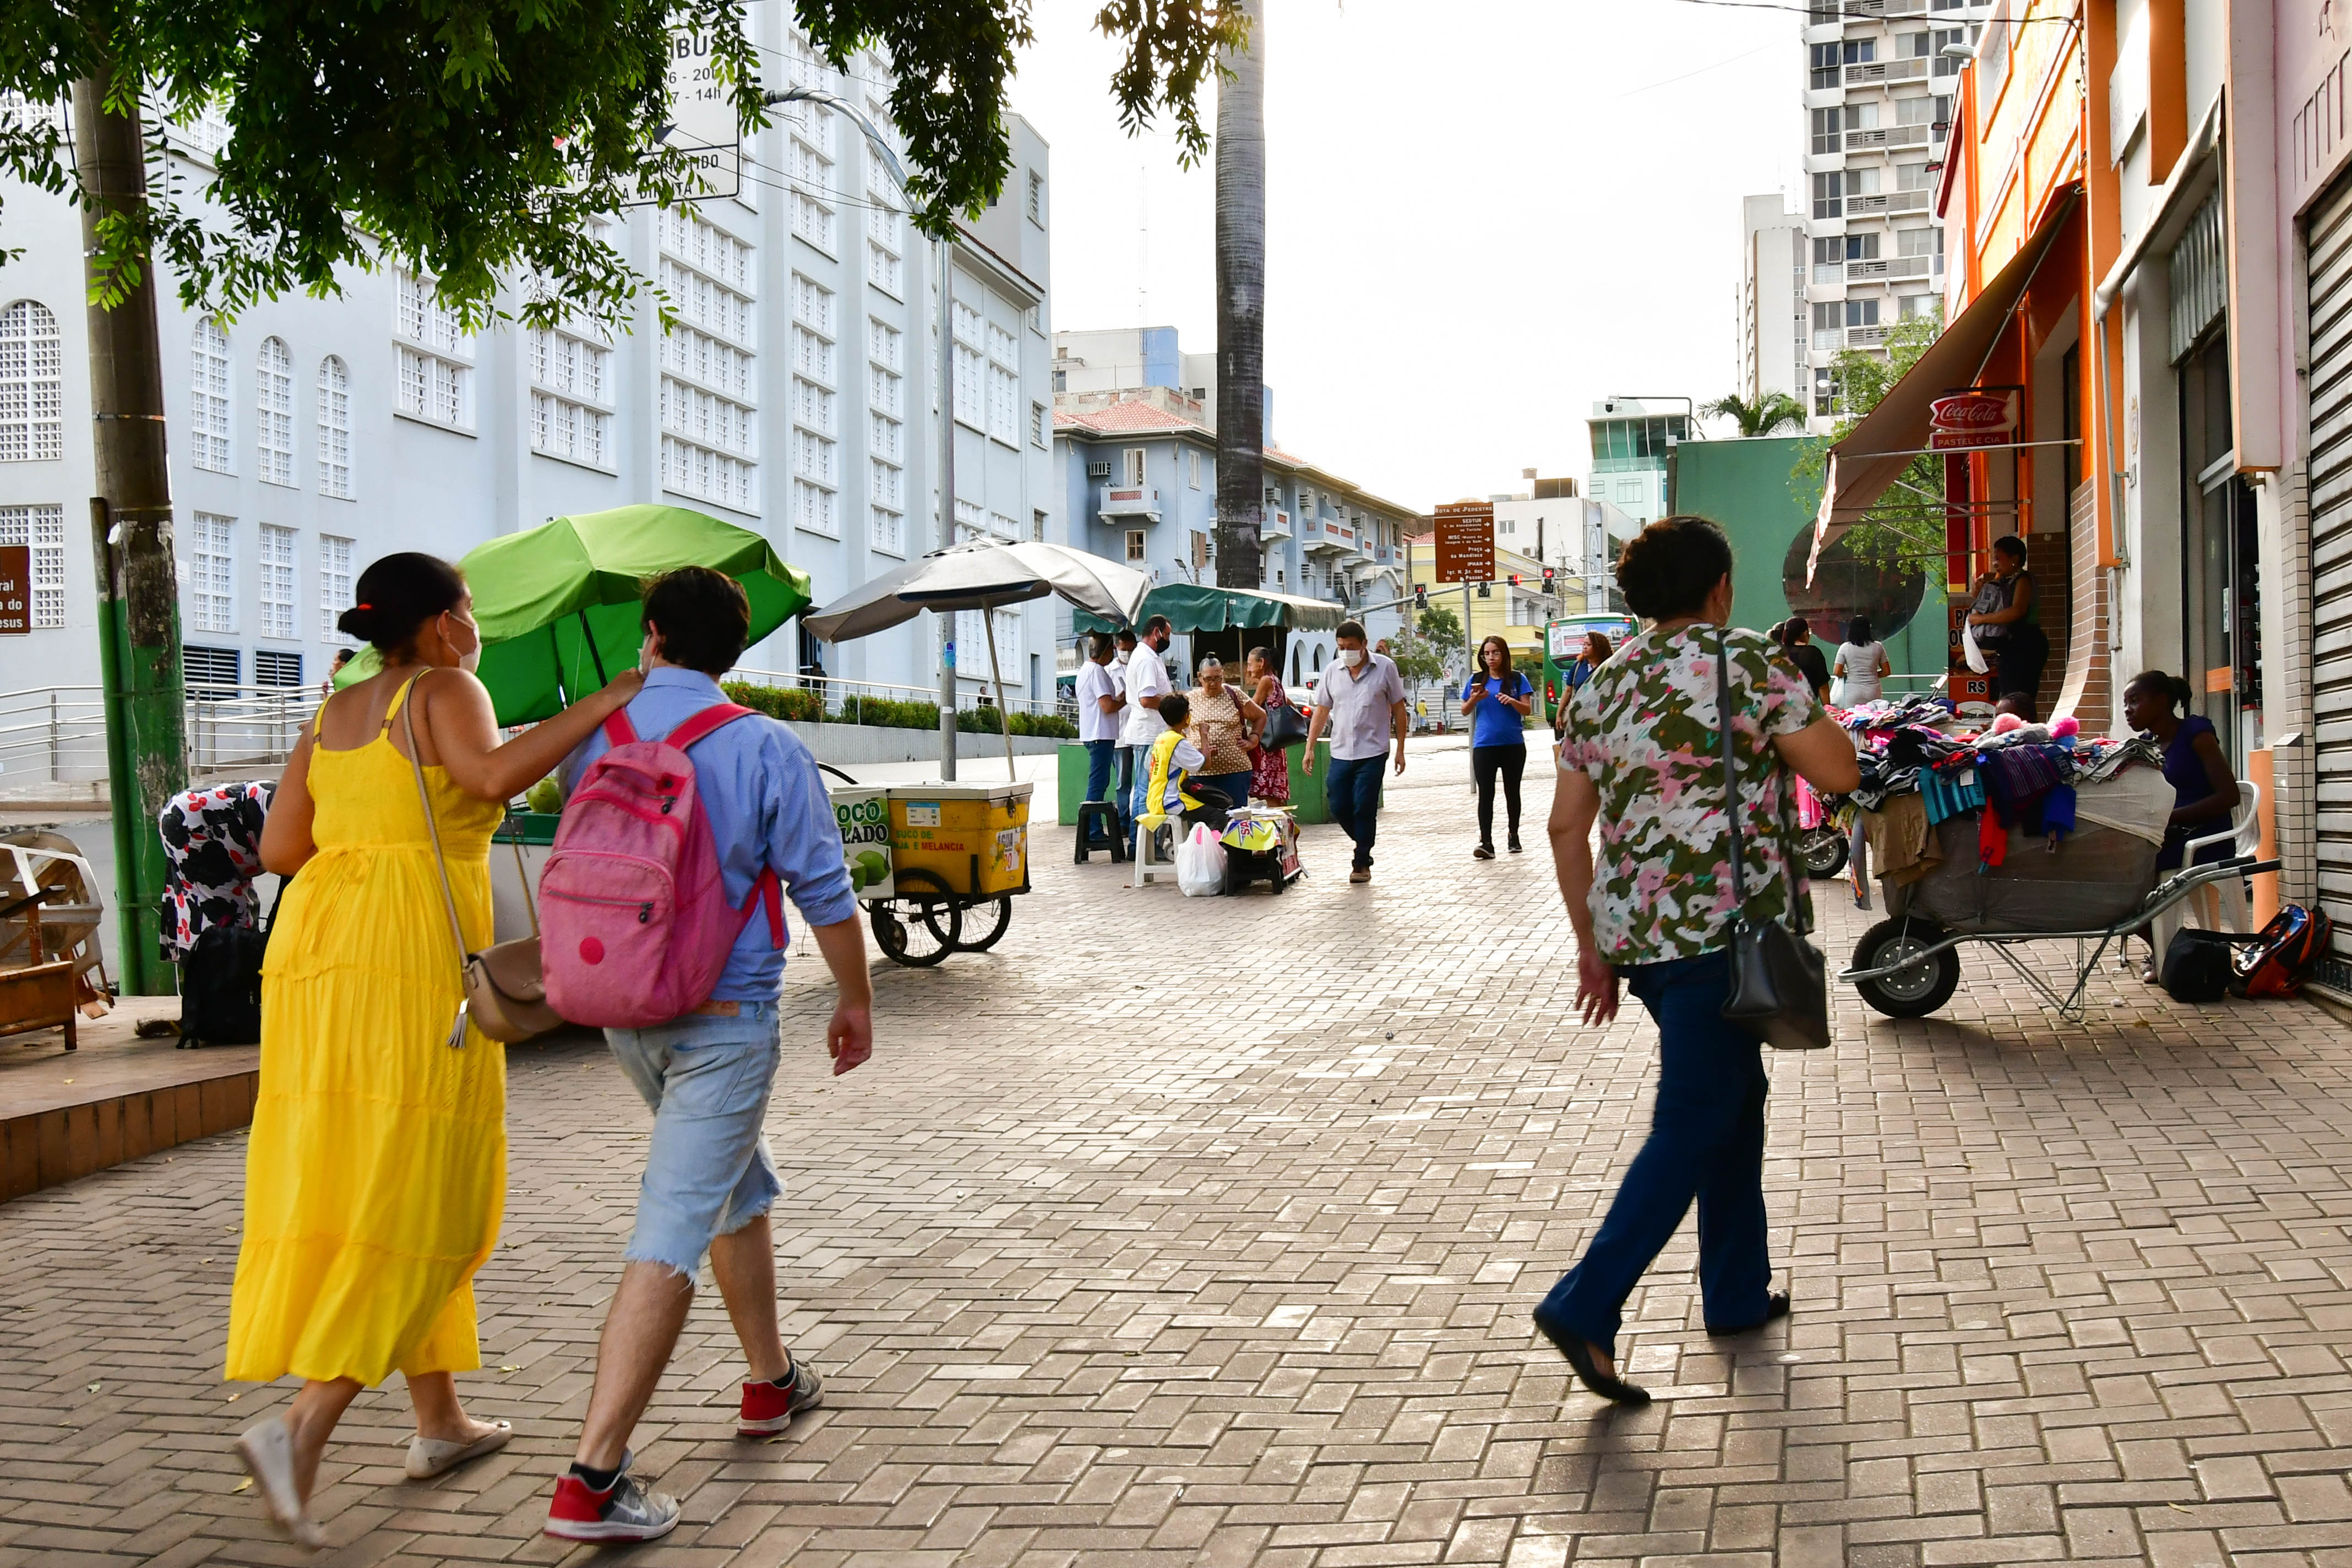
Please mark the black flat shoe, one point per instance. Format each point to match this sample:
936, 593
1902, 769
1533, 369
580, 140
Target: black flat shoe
1515, 844
1483, 852
1580, 1361
1775, 1306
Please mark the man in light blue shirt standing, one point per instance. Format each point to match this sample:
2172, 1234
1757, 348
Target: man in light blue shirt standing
709, 1178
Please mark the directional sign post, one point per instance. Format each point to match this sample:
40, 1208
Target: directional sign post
1466, 542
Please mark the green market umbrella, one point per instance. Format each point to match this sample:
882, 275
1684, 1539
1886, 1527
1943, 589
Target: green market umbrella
557, 605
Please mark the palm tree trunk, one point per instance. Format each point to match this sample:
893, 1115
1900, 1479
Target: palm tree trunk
1241, 309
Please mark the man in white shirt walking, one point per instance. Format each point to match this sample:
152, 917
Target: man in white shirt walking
1102, 699
1361, 701
1147, 683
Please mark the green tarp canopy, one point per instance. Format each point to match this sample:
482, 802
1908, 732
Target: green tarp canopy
557, 605
1191, 607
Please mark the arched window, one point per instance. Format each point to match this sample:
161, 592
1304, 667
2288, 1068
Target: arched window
1318, 660
30, 355
208, 397
334, 429
273, 408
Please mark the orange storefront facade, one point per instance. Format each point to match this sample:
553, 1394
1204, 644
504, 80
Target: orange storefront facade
2137, 209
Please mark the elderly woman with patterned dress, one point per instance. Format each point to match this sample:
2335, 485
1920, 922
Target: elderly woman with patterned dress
1223, 720
1643, 758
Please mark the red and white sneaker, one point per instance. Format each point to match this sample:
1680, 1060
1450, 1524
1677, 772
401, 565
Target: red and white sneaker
624, 1510
769, 1407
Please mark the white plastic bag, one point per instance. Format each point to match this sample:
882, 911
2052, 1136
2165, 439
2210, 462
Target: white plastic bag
1201, 864
1969, 650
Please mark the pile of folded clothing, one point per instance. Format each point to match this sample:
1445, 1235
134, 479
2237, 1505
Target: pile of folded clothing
1916, 775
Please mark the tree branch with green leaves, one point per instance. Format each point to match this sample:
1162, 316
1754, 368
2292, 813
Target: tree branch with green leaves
1906, 526
474, 141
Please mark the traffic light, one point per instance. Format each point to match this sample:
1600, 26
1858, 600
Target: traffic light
1515, 579
1486, 590
1421, 596
1551, 580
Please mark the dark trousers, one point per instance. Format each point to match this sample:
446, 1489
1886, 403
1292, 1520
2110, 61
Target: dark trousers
1707, 1142
1486, 761
1100, 754
2022, 654
1352, 791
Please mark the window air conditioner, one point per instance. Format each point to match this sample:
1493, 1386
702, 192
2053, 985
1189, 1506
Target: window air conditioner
1097, 470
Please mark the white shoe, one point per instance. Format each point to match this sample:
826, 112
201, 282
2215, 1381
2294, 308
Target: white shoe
267, 1450
430, 1457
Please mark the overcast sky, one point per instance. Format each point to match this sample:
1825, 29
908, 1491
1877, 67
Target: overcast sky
1481, 216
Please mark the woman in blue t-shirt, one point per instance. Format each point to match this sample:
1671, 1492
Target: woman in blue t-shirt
1498, 699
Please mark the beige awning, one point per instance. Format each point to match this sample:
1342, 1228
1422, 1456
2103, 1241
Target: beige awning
1875, 452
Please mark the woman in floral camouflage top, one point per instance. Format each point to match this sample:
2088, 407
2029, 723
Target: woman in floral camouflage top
1642, 753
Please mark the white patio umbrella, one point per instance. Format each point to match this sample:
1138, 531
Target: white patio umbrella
984, 575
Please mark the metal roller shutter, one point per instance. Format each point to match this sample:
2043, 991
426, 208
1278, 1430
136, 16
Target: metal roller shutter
2331, 552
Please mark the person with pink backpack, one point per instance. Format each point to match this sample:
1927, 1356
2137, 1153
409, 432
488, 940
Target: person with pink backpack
686, 820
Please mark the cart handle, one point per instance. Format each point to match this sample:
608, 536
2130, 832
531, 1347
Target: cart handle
836, 773
2174, 889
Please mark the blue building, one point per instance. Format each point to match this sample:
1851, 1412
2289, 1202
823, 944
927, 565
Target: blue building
1135, 446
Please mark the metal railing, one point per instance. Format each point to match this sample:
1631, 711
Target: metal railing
57, 734
846, 697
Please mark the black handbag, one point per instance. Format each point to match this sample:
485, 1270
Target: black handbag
1780, 982
1286, 727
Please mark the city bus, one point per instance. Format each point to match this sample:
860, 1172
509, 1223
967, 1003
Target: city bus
1564, 639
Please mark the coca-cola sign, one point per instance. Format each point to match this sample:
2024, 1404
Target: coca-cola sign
1966, 419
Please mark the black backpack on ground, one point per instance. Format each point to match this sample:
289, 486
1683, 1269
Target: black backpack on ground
2199, 966
220, 984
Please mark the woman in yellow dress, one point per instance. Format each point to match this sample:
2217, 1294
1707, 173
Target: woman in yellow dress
375, 1171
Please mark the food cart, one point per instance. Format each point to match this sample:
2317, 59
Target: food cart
936, 865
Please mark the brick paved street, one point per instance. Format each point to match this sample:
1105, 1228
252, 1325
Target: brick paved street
1227, 1259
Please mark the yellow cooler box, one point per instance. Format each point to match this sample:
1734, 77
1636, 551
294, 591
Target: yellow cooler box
973, 839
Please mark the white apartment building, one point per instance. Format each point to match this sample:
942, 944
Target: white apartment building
1774, 334
1878, 106
797, 395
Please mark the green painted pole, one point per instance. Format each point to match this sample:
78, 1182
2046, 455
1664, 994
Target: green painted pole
137, 592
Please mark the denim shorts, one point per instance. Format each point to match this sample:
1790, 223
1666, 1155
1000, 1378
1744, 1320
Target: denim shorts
708, 1171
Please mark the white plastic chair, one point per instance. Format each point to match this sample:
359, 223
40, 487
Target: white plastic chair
2220, 905
1150, 865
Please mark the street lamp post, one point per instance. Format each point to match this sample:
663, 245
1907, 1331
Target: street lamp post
946, 372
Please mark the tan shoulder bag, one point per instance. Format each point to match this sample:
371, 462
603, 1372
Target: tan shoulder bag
504, 995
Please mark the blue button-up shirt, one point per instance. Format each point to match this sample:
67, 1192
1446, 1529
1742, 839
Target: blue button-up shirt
768, 811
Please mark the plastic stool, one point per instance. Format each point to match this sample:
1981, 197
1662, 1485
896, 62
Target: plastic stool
1158, 855
1113, 824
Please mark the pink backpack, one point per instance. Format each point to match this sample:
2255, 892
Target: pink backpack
635, 926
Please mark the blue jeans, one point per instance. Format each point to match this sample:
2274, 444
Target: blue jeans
1100, 754
707, 1171
1138, 762
1707, 1142
1352, 791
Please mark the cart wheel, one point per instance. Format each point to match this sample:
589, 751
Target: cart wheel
1915, 992
1278, 882
922, 926
1822, 852
984, 922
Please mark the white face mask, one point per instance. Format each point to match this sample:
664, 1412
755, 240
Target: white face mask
1352, 656
469, 659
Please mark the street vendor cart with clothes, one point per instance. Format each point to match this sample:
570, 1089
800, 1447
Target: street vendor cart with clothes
2022, 833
